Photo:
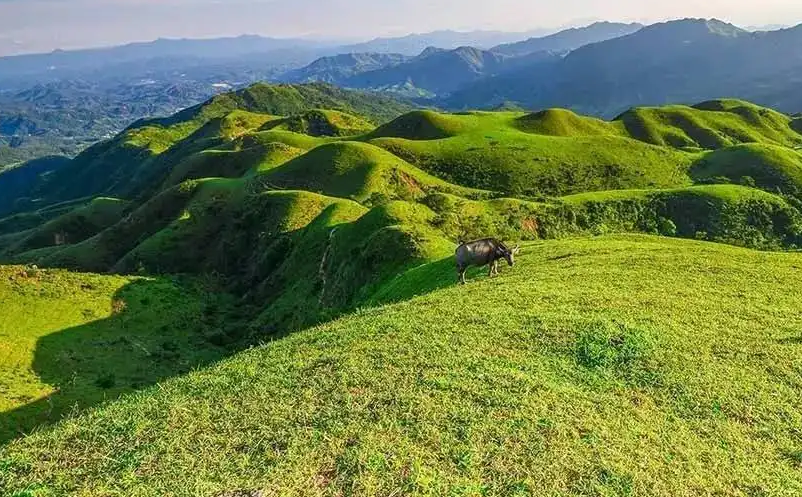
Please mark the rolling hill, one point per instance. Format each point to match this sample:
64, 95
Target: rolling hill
128, 163
257, 294
569, 380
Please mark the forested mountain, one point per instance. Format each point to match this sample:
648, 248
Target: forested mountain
678, 61
336, 69
569, 39
440, 72
414, 44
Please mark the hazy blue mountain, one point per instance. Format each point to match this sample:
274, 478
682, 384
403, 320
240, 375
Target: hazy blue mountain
450, 69
680, 61
338, 68
413, 44
569, 39
61, 63
438, 72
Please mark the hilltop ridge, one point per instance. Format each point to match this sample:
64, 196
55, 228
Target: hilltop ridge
562, 173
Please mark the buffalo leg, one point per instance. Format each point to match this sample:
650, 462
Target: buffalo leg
461, 275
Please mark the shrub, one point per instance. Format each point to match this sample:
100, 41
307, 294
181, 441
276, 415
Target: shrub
666, 227
616, 349
748, 181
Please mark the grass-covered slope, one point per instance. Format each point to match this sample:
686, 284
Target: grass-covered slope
770, 167
18, 183
723, 213
710, 125
355, 170
137, 160
72, 340
285, 100
558, 152
624, 365
491, 151
280, 250
606, 366
540, 155
73, 227
321, 122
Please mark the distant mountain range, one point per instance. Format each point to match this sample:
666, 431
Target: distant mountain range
273, 52
675, 62
440, 72
570, 39
414, 44
337, 69
437, 71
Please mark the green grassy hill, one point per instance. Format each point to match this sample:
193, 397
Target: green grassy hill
630, 178
321, 122
355, 170
591, 368
286, 319
74, 226
70, 340
771, 167
137, 159
557, 152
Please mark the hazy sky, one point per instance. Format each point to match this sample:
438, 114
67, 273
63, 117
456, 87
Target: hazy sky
41, 25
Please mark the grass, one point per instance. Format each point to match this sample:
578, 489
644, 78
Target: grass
355, 170
71, 340
723, 213
606, 366
73, 227
33, 309
557, 152
770, 167
601, 365
490, 151
321, 122
100, 252
710, 125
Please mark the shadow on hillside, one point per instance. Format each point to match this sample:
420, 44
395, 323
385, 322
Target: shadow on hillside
421, 280
158, 330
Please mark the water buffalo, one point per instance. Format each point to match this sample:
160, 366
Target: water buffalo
483, 253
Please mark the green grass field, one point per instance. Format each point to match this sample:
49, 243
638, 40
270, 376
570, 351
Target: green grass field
256, 296
69, 340
606, 366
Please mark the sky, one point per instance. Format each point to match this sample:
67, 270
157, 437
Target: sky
44, 25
